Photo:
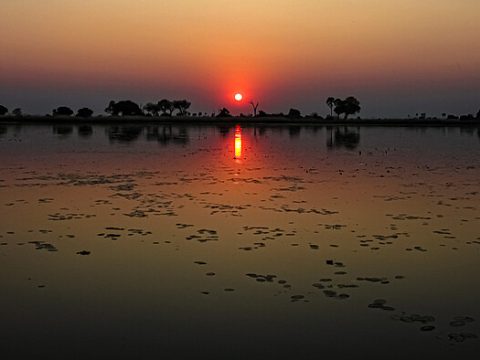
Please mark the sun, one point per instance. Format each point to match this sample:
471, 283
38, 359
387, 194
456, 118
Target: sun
238, 97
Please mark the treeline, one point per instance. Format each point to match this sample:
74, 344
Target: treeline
121, 108
169, 108
165, 107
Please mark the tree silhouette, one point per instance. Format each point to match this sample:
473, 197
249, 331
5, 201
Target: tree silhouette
84, 112
151, 108
255, 107
3, 110
111, 108
478, 114
182, 106
62, 111
352, 106
338, 107
349, 106
166, 107
224, 112
17, 112
331, 103
124, 108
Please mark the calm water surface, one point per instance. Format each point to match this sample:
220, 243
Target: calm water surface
180, 242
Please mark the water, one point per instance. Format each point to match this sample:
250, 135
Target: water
239, 243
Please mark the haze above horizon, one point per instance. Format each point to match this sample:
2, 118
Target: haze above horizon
397, 57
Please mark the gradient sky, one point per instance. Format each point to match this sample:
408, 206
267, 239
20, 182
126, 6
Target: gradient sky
397, 57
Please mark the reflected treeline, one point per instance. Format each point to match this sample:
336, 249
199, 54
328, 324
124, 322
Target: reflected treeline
337, 137
258, 130
470, 130
224, 130
294, 131
85, 131
164, 135
3, 130
124, 134
342, 137
62, 130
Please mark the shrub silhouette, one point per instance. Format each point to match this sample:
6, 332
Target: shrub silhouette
62, 111
17, 112
84, 112
467, 117
294, 113
224, 113
124, 108
3, 110
478, 114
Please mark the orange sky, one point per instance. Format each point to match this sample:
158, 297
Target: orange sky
281, 52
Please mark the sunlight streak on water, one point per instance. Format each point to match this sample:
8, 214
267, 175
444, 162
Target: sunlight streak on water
238, 142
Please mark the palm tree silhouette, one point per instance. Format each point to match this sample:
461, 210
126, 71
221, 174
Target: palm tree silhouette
331, 103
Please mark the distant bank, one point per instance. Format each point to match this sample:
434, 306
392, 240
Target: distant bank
232, 120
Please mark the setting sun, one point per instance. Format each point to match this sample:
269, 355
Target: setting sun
238, 97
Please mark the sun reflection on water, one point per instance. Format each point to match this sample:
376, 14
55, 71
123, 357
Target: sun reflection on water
238, 142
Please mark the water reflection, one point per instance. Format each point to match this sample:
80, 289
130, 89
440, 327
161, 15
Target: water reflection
124, 134
62, 130
164, 135
294, 131
238, 142
370, 240
342, 137
224, 130
85, 131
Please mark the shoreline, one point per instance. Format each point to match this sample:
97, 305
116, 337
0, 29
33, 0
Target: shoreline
145, 120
